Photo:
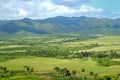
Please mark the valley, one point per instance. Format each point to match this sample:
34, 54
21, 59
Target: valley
43, 53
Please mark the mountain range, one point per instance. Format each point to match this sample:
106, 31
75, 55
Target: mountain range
61, 25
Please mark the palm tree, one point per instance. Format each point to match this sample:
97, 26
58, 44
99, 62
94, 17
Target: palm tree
31, 70
1, 69
63, 72
66, 73
25, 68
91, 75
83, 77
96, 77
5, 69
74, 72
57, 69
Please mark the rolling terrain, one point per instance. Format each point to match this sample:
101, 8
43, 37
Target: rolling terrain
32, 49
44, 53
61, 25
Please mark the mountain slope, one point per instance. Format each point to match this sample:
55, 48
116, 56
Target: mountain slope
62, 25
13, 27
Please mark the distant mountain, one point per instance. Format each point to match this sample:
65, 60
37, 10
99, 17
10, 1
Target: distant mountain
62, 25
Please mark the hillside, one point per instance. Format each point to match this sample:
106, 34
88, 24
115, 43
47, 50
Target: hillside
61, 25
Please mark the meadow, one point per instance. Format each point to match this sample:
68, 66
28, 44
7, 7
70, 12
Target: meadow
44, 53
104, 43
47, 64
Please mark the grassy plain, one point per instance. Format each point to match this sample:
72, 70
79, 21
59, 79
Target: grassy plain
47, 65
104, 43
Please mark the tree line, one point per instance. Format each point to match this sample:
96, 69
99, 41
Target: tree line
66, 74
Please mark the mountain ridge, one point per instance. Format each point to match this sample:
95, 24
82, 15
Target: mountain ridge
63, 25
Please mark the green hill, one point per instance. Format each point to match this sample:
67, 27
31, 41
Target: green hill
62, 25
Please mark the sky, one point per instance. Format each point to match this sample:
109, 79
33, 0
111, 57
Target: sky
41, 9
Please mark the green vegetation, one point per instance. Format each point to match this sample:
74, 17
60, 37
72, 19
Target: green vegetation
43, 66
57, 57
60, 25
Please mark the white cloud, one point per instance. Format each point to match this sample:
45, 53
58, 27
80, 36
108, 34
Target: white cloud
66, 10
86, 8
49, 9
22, 12
38, 9
47, 6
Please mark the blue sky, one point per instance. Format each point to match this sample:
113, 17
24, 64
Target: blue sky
40, 9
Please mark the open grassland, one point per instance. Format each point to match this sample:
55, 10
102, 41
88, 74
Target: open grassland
104, 43
60, 47
94, 54
47, 65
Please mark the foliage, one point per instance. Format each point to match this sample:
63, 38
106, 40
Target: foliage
90, 57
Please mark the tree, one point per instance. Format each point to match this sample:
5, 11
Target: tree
107, 77
65, 72
83, 77
31, 70
28, 69
57, 69
5, 69
91, 75
74, 72
83, 70
96, 77
1, 68
25, 68
118, 77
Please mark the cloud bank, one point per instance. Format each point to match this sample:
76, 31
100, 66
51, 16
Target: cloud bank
39, 9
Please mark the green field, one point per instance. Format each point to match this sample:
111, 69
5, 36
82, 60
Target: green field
44, 53
105, 43
47, 65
